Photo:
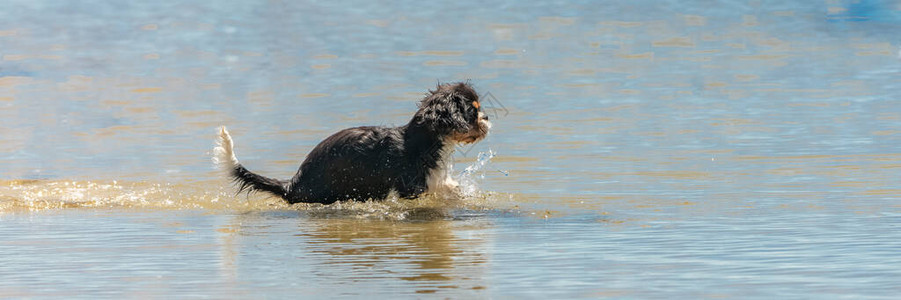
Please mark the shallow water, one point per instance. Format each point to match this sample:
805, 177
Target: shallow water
641, 149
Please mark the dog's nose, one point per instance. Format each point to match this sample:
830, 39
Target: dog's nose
483, 116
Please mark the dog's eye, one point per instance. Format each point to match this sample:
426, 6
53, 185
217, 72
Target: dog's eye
476, 104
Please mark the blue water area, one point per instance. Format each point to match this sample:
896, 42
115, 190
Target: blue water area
640, 149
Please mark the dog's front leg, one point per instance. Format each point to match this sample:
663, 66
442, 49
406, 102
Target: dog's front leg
411, 187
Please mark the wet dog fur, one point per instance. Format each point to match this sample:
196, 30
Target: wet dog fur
369, 162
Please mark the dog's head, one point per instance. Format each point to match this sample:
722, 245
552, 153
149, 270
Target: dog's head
453, 111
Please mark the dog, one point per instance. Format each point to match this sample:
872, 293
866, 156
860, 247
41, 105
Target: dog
369, 162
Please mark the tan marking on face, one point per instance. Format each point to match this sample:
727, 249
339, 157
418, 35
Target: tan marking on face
478, 132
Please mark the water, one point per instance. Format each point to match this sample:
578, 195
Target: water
643, 149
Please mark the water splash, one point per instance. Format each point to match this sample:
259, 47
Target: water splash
467, 177
218, 195
37, 195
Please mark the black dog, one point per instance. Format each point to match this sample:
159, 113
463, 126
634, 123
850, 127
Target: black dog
369, 162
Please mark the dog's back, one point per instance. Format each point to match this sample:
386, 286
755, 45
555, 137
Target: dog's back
355, 163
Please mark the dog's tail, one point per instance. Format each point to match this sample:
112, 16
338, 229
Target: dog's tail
224, 158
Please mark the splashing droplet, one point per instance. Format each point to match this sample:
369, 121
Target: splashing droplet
467, 177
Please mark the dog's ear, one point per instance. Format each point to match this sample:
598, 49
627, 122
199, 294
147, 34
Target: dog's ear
443, 111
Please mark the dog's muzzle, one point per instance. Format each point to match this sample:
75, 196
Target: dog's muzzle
483, 120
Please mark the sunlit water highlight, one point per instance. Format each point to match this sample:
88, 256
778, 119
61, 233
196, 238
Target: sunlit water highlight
219, 195
640, 149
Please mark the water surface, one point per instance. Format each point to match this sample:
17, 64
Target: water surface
644, 149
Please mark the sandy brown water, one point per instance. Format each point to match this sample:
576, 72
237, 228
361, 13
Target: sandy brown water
649, 149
